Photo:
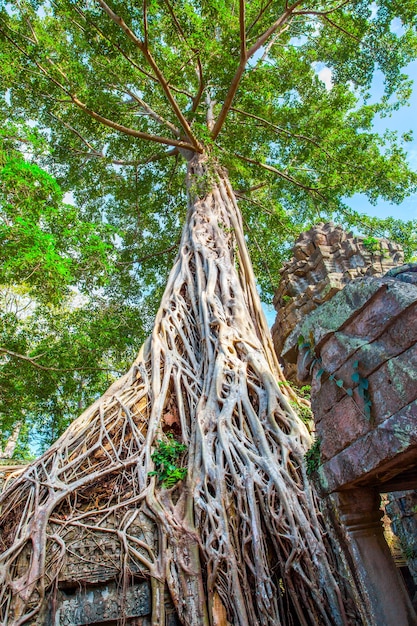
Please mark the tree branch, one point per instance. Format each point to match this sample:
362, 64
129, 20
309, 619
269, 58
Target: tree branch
153, 114
161, 79
103, 120
270, 168
244, 198
100, 154
332, 10
281, 130
32, 361
258, 17
131, 131
150, 256
242, 65
196, 100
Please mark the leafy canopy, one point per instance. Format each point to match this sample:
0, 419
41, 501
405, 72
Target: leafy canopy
58, 345
118, 95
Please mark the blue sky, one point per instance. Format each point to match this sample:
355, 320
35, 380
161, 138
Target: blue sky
405, 119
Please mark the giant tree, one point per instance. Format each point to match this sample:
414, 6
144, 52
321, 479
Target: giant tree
198, 443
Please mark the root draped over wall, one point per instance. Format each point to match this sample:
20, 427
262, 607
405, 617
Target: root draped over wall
238, 541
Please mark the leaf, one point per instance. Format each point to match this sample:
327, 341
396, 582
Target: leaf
349, 391
355, 377
367, 408
320, 373
339, 382
355, 365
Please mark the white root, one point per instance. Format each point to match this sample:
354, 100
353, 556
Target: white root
240, 535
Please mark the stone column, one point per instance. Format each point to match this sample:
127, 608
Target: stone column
387, 597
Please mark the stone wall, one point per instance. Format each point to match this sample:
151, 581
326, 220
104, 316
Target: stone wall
105, 605
367, 332
362, 364
326, 258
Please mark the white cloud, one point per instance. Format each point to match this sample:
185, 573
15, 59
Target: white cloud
69, 198
325, 76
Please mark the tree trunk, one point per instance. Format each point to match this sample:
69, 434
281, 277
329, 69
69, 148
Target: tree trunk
11, 442
238, 540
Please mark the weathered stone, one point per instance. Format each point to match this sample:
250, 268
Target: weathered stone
367, 335
394, 384
386, 450
326, 258
402, 510
332, 315
392, 299
101, 604
384, 591
345, 412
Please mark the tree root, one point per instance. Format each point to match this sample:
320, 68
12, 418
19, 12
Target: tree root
238, 541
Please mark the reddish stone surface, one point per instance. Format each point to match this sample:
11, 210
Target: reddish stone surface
343, 424
354, 443
372, 320
386, 450
394, 384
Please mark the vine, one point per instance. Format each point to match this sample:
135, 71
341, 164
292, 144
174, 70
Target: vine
360, 381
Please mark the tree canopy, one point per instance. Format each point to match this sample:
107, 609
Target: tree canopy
111, 99
193, 461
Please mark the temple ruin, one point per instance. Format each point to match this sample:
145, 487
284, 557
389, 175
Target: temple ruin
355, 306
354, 339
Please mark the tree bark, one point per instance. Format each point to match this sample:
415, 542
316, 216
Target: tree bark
238, 541
11, 442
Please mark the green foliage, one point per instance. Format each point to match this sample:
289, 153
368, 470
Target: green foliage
361, 382
166, 457
64, 335
294, 150
371, 244
312, 458
303, 411
304, 391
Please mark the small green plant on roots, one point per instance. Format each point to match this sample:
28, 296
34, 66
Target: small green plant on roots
165, 458
304, 412
312, 458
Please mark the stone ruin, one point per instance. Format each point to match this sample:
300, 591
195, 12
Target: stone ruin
362, 455
326, 258
87, 590
359, 352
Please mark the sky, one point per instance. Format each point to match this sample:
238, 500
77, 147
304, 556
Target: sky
403, 120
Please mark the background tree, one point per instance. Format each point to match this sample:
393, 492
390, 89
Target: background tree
230, 92
59, 345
